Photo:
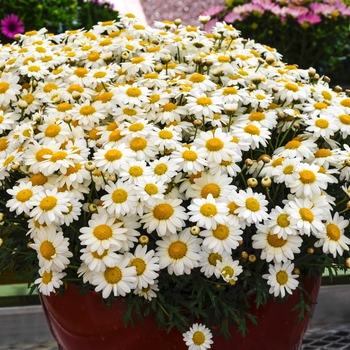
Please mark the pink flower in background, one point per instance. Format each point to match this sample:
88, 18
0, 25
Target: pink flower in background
12, 25
213, 10
310, 18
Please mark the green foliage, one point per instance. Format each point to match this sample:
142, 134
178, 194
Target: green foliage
56, 15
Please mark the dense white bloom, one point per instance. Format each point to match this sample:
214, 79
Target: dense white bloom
198, 337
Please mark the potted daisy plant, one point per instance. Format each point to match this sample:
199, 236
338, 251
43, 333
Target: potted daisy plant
189, 183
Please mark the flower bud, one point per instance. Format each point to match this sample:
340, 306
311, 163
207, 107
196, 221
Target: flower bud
347, 162
92, 208
15, 165
266, 182
348, 205
252, 182
310, 250
1, 242
248, 162
22, 104
90, 165
296, 271
252, 258
177, 22
125, 55
197, 123
166, 59
195, 230
244, 255
311, 72
2, 217
67, 119
347, 263
143, 239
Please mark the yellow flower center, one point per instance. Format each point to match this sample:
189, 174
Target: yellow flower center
283, 220
163, 211
73, 169
99, 74
105, 42
119, 195
252, 130
81, 72
232, 206
38, 179
223, 59
322, 123
320, 105
49, 87
204, 101
136, 127
135, 171
326, 94
306, 214
275, 241
52, 130
189, 156
288, 169
256, 116
344, 119
323, 153
138, 144
197, 78
214, 144
333, 232
139, 264
160, 169
165, 134
169, 107
307, 176
230, 91
34, 68
211, 188
9, 160
113, 154
137, 60
87, 110
41, 153
345, 102
227, 272
93, 56
151, 75
24, 195
4, 86
260, 97
3, 144
129, 111
154, 98
291, 87
100, 256
221, 232
293, 144
59, 155
151, 189
47, 250
133, 92
208, 210
277, 161
252, 204
102, 232
213, 258
29, 98
113, 275
282, 277
46, 278
198, 338
105, 97
64, 107
48, 203
177, 250
115, 136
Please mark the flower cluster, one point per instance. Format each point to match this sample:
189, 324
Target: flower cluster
55, 15
179, 169
310, 33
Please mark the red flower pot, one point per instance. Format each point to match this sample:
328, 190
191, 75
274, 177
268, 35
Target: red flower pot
84, 322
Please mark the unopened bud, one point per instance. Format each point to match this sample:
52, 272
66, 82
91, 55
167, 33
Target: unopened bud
15, 165
311, 72
347, 162
195, 230
197, 123
67, 119
266, 181
347, 263
22, 104
166, 59
348, 205
244, 255
252, 258
178, 22
326, 79
92, 208
112, 178
125, 55
310, 250
232, 282
248, 162
2, 217
296, 271
143, 239
252, 182
90, 165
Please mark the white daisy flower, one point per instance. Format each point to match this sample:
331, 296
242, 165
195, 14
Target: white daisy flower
200, 105
98, 262
281, 279
325, 126
166, 217
49, 206
201, 82
259, 98
132, 95
150, 190
148, 292
52, 249
229, 270
22, 195
49, 281
9, 88
310, 181
284, 172
102, 233
209, 261
121, 198
279, 223
305, 216
274, 248
164, 168
190, 159
146, 264
333, 239
198, 337
179, 253
134, 170
117, 280
252, 207
298, 147
88, 114
222, 238
207, 212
